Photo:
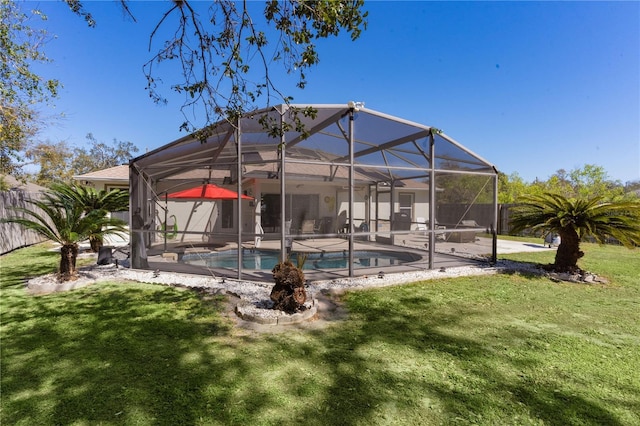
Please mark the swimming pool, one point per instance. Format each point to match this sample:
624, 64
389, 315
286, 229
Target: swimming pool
267, 259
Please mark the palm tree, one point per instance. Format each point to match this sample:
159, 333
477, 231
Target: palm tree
91, 199
574, 219
66, 222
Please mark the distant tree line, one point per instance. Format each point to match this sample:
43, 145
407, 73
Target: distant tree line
58, 162
586, 182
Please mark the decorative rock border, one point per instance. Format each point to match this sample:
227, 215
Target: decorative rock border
579, 276
250, 312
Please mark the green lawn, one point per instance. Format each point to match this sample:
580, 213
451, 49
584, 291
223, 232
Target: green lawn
505, 349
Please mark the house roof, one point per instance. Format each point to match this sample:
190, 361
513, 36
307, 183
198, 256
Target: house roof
15, 185
117, 173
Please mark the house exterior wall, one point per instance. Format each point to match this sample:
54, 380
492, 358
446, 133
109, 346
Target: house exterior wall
199, 221
327, 195
420, 207
203, 217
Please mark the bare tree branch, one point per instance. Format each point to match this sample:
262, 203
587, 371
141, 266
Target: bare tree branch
217, 48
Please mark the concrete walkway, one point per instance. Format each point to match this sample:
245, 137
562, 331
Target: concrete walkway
483, 245
508, 246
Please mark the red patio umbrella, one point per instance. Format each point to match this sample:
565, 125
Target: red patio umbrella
208, 191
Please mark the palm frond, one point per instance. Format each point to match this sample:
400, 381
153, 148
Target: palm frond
62, 219
109, 200
593, 217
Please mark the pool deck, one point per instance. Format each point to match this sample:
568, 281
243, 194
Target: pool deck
448, 255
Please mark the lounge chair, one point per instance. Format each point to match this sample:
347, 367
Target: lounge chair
423, 225
464, 237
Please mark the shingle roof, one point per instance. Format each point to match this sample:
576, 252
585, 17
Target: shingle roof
117, 173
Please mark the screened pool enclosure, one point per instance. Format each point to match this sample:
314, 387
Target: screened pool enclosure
352, 190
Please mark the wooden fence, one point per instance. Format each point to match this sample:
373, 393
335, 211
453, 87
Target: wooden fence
13, 235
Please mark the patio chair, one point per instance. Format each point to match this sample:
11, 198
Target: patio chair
308, 226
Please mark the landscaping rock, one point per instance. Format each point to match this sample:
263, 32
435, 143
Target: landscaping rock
257, 312
578, 277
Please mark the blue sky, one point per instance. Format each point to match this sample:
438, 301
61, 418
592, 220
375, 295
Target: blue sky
532, 87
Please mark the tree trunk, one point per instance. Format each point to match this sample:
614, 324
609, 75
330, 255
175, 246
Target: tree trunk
568, 251
68, 256
96, 243
300, 295
288, 293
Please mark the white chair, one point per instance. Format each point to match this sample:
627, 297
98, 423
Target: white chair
308, 226
422, 225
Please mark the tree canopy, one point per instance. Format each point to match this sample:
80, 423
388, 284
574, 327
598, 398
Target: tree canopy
101, 155
58, 161
21, 89
588, 181
91, 199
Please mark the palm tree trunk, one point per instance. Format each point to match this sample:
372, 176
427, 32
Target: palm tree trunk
95, 242
569, 250
68, 256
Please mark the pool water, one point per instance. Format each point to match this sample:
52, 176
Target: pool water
267, 259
